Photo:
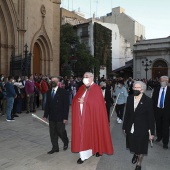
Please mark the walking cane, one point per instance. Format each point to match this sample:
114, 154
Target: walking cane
115, 104
150, 139
151, 90
35, 116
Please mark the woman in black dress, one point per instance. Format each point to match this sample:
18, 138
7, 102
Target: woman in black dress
138, 120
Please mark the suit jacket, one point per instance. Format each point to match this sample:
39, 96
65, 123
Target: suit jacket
130, 87
57, 109
155, 97
108, 98
142, 117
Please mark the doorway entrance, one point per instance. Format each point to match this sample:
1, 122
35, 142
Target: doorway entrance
159, 69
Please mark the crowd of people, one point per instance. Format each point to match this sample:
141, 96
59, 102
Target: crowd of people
91, 99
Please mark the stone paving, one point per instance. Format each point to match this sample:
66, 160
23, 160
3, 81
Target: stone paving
24, 145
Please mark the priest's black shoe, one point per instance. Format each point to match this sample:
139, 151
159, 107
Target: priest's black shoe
52, 151
98, 155
79, 161
135, 158
138, 167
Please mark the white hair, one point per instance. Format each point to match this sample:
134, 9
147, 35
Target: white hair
103, 84
142, 84
91, 74
164, 77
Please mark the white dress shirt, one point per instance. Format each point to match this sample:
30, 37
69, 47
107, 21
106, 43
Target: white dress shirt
160, 93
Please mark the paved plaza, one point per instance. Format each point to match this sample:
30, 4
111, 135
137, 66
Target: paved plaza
24, 145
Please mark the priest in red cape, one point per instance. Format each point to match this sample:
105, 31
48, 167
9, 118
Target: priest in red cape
90, 126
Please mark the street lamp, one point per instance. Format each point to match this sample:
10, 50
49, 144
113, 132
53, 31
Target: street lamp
146, 63
73, 57
27, 61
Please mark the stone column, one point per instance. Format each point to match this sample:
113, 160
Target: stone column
54, 67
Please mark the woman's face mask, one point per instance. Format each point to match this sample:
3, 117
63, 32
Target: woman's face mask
103, 88
136, 92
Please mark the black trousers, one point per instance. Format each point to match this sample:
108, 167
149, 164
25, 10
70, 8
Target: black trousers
162, 125
57, 129
108, 111
120, 110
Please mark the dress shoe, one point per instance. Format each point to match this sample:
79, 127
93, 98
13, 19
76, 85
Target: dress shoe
138, 167
27, 112
52, 151
158, 139
98, 155
16, 115
135, 158
165, 146
65, 147
79, 161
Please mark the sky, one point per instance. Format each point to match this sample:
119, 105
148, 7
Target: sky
153, 14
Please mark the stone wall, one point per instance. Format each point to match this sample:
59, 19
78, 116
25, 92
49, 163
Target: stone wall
29, 22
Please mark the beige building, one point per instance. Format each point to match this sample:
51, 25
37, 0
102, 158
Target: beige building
71, 17
130, 29
35, 23
151, 58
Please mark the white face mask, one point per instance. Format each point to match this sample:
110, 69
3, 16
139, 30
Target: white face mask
86, 81
13, 81
163, 84
118, 85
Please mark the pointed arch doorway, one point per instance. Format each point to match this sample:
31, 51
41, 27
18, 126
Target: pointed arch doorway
36, 59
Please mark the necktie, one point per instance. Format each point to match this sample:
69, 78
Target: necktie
52, 94
162, 99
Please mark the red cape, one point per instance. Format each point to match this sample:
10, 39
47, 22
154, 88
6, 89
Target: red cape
91, 129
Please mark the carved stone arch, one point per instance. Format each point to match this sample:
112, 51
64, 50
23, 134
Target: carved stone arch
39, 34
43, 40
45, 59
160, 63
44, 53
159, 68
8, 31
3, 28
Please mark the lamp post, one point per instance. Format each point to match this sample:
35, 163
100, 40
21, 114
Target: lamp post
27, 61
73, 58
146, 63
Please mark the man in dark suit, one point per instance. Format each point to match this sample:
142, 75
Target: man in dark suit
107, 97
161, 103
57, 109
130, 85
